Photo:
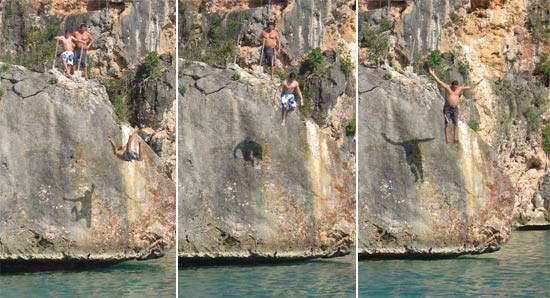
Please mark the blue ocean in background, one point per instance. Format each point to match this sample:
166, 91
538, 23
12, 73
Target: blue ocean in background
520, 269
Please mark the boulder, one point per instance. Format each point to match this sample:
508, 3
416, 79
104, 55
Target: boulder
418, 196
249, 190
66, 200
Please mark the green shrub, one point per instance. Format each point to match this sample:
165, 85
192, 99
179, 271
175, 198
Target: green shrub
387, 76
350, 128
53, 81
464, 69
474, 125
346, 67
385, 25
119, 96
546, 139
183, 88
540, 101
1, 92
376, 44
4, 68
434, 59
315, 59
236, 76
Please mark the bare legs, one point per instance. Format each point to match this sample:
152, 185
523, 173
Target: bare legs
65, 66
455, 132
284, 113
139, 150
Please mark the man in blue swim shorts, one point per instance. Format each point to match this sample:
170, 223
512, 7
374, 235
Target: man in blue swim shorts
288, 102
271, 39
450, 109
125, 153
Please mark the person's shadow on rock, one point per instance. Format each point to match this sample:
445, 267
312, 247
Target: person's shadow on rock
413, 155
85, 210
250, 150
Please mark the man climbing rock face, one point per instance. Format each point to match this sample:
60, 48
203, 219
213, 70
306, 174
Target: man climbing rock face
288, 102
270, 38
125, 153
450, 109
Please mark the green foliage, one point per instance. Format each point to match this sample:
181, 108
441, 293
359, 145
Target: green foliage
538, 20
540, 101
376, 43
119, 96
387, 76
53, 81
223, 40
546, 139
544, 69
435, 59
236, 76
151, 64
346, 66
315, 59
40, 54
183, 88
351, 128
464, 69
1, 92
474, 125
534, 119
4, 68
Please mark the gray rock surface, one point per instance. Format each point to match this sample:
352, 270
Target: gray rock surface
418, 196
65, 198
250, 190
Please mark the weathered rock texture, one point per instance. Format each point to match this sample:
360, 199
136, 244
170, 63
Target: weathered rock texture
503, 43
250, 190
418, 196
65, 198
303, 25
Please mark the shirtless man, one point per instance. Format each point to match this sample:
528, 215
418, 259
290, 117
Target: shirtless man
67, 57
124, 152
271, 38
81, 48
450, 109
288, 103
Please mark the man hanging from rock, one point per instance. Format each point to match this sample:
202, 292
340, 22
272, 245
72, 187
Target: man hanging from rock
81, 48
125, 152
450, 109
288, 102
67, 57
270, 38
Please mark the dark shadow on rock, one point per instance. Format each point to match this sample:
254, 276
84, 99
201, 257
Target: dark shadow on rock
412, 154
85, 210
251, 150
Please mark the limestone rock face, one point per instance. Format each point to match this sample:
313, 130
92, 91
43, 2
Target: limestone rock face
64, 196
250, 190
418, 196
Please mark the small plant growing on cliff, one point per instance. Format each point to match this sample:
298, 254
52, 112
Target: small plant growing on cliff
53, 81
540, 101
387, 76
1, 92
474, 125
350, 128
346, 66
546, 139
236, 76
544, 69
4, 68
183, 89
315, 59
464, 69
151, 62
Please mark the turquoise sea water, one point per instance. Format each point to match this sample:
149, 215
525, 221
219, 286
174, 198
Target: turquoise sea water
317, 278
520, 269
151, 278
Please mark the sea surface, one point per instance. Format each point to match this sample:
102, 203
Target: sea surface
520, 269
151, 278
317, 278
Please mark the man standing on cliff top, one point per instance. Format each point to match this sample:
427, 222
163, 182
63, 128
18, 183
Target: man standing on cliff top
450, 109
81, 49
270, 38
288, 103
67, 57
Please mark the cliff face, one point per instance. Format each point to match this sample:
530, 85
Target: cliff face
502, 42
66, 199
303, 25
249, 189
124, 32
418, 196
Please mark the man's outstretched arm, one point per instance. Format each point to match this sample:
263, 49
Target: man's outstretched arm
112, 144
471, 87
441, 83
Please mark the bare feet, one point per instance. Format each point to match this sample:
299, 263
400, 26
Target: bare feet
447, 141
283, 124
456, 141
